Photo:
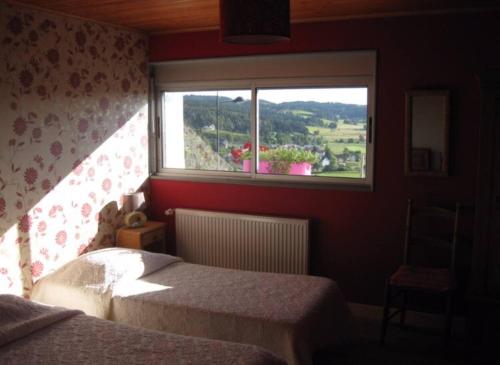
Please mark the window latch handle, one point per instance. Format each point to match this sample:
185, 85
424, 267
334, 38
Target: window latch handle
370, 133
157, 127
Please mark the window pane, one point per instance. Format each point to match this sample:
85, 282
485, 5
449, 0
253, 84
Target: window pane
313, 131
204, 130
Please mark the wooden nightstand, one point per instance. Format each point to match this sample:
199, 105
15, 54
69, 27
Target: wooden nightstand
151, 237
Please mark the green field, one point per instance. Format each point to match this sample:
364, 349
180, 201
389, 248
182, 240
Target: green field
343, 132
300, 112
344, 174
338, 148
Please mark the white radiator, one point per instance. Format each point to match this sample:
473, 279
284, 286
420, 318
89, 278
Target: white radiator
244, 242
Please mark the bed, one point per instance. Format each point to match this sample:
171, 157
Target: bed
31, 333
290, 315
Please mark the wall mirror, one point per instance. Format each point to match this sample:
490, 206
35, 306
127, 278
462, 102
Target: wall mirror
427, 132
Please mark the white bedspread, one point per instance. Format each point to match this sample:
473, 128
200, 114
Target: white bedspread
35, 334
291, 315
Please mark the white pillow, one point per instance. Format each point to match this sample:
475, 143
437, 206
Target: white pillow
119, 264
107, 267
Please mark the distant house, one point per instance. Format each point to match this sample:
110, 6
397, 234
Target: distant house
325, 161
207, 128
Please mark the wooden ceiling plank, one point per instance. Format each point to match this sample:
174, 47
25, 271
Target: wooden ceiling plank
189, 15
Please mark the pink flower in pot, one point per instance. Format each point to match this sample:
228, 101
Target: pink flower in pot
300, 168
244, 155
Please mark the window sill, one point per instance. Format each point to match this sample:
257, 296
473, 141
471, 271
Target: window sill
342, 186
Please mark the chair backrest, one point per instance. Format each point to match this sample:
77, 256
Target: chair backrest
432, 228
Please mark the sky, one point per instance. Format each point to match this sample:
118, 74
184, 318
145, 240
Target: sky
323, 95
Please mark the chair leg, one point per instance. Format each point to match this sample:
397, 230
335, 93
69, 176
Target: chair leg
385, 316
448, 320
404, 302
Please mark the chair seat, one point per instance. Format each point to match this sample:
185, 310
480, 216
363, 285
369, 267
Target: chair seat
423, 278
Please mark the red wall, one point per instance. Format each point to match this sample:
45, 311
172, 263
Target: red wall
356, 235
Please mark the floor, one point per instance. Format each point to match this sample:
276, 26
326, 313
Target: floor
411, 346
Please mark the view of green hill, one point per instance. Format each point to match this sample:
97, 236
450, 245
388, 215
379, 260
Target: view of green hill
336, 127
281, 123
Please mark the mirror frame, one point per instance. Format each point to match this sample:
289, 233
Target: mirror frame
445, 94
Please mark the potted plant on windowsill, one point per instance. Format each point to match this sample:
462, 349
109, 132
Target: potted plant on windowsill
290, 161
281, 160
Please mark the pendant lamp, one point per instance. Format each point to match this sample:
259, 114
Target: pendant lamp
254, 21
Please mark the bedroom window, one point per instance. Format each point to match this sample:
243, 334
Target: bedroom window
313, 131
202, 128
247, 120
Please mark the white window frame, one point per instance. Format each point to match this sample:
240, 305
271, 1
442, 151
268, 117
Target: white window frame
254, 84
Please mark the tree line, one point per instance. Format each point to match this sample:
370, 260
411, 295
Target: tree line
280, 123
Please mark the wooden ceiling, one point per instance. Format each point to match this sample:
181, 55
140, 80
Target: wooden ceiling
174, 16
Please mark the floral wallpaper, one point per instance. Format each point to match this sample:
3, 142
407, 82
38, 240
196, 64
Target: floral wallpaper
73, 138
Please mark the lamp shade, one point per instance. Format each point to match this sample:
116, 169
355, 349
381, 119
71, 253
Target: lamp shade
134, 201
254, 21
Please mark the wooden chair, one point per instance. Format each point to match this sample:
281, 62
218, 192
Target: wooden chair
410, 276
